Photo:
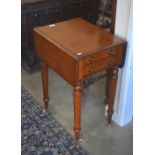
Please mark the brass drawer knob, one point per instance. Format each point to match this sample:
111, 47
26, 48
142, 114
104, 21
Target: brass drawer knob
91, 69
110, 62
110, 52
91, 59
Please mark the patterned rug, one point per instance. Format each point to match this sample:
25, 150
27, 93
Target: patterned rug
41, 134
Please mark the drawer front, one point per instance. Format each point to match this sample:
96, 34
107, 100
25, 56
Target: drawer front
98, 62
98, 66
102, 56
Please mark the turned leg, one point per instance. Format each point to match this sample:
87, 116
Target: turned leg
77, 110
112, 82
44, 73
106, 90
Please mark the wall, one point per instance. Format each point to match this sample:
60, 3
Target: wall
123, 11
123, 101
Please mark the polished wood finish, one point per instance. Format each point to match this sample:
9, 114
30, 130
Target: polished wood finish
88, 39
44, 73
76, 50
97, 62
77, 109
112, 82
42, 12
63, 64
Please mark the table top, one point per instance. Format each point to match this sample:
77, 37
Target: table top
78, 37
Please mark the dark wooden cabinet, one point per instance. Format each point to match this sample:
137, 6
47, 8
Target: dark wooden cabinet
107, 13
42, 12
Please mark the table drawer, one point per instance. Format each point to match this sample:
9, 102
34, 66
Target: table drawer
100, 56
98, 66
97, 62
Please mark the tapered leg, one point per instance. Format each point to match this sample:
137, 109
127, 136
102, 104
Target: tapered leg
44, 73
106, 91
77, 110
112, 82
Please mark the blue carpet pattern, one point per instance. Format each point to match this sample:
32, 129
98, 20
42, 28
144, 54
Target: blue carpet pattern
41, 134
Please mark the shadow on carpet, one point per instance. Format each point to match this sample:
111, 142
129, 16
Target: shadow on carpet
41, 134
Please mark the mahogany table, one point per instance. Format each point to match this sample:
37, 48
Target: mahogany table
76, 50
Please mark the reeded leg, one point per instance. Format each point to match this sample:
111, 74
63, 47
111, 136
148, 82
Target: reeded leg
112, 82
77, 110
44, 73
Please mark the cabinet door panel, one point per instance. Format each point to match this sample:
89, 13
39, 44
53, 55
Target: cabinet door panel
87, 11
54, 15
40, 17
24, 37
71, 11
86, 8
